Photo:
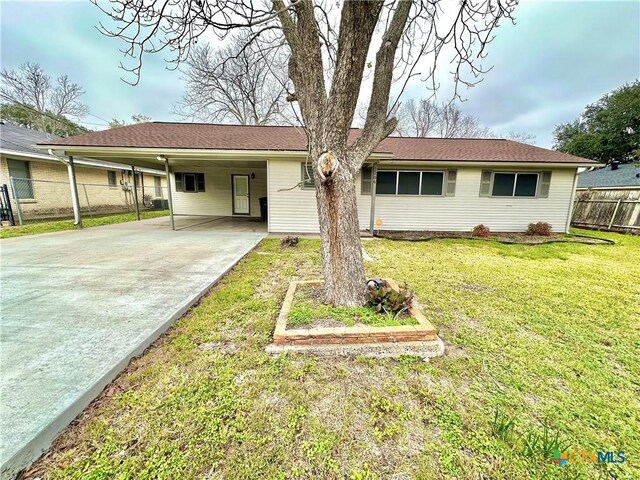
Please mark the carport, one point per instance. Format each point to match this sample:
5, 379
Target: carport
78, 305
203, 179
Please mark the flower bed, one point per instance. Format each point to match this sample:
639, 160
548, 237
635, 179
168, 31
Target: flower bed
412, 327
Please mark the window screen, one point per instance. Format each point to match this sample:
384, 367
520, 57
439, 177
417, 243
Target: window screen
21, 174
526, 184
408, 183
503, 184
157, 183
386, 183
514, 184
111, 177
189, 182
431, 183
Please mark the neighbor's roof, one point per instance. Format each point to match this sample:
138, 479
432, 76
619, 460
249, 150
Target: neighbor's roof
627, 175
245, 137
21, 140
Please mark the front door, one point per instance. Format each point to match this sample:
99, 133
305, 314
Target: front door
240, 193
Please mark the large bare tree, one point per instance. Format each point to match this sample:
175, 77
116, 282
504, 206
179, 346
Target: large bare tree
427, 118
31, 88
330, 45
243, 83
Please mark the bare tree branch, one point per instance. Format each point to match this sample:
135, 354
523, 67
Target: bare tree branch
243, 83
30, 86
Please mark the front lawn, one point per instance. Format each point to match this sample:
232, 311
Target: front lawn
48, 227
539, 338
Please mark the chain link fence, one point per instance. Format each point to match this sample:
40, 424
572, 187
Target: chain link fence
44, 200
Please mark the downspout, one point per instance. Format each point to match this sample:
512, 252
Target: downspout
73, 185
572, 203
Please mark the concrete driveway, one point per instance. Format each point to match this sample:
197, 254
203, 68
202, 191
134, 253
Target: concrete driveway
77, 306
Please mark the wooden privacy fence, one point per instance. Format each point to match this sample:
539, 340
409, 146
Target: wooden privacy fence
617, 210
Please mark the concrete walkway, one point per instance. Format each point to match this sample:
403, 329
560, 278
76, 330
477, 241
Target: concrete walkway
77, 306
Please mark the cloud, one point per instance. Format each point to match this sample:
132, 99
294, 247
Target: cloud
560, 56
63, 38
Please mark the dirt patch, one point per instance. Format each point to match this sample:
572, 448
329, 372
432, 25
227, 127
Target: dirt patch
503, 237
226, 348
455, 351
475, 287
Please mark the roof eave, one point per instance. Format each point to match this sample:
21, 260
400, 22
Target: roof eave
18, 153
487, 163
191, 153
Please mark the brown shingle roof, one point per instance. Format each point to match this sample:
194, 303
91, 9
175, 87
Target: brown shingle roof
243, 137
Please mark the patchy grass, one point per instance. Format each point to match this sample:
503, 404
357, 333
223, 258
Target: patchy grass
48, 227
542, 351
308, 309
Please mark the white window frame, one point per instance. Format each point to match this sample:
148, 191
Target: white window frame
397, 172
515, 183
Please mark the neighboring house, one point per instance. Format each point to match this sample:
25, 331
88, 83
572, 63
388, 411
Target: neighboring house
609, 197
42, 180
420, 183
611, 177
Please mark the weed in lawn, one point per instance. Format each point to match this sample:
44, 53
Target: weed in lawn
542, 444
386, 417
319, 452
502, 425
363, 473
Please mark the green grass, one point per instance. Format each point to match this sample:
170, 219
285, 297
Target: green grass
87, 222
542, 350
305, 310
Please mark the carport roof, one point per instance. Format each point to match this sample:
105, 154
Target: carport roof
205, 136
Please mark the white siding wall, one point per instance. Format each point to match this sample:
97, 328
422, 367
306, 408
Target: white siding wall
467, 209
290, 210
295, 210
216, 199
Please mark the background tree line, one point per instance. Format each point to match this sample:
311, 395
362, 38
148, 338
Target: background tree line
607, 130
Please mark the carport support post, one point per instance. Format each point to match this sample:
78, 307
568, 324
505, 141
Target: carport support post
135, 192
374, 179
166, 169
74, 192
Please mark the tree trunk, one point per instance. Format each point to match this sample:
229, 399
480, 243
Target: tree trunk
342, 264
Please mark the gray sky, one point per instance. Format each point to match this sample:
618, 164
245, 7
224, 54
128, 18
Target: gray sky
560, 56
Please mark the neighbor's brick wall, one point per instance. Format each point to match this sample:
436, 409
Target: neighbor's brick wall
52, 199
